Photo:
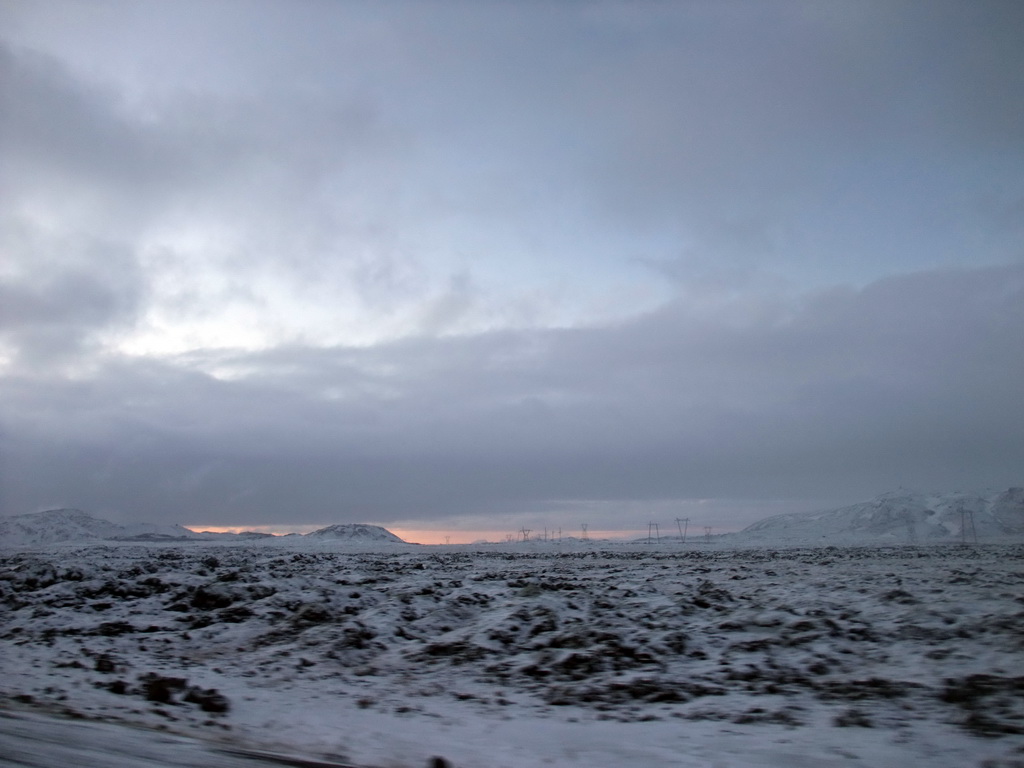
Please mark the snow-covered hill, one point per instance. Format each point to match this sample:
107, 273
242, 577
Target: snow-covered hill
73, 525
355, 532
900, 517
59, 525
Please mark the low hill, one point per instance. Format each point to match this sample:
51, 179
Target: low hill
355, 532
900, 517
59, 525
55, 526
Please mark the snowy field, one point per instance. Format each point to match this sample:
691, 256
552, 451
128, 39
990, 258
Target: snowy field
519, 656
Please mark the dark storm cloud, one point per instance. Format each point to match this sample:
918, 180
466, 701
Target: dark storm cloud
911, 381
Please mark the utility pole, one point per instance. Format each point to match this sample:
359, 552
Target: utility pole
683, 524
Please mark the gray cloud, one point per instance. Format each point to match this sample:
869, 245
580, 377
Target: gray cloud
61, 293
219, 203
911, 381
269, 263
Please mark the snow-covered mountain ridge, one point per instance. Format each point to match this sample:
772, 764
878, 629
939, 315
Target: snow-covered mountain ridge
901, 517
73, 525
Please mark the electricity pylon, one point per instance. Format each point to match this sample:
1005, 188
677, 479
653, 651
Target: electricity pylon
683, 524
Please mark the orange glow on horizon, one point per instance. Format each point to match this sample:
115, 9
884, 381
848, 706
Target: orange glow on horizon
427, 536
277, 530
452, 537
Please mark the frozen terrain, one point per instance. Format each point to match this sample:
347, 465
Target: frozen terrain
529, 655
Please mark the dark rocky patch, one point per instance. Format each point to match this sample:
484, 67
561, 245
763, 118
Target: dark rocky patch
161, 689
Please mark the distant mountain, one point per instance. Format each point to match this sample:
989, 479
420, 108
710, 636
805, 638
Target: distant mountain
900, 517
355, 532
57, 525
71, 525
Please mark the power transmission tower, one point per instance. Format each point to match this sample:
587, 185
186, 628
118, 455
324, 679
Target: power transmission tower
653, 527
965, 515
584, 527
526, 533
911, 529
683, 524
707, 534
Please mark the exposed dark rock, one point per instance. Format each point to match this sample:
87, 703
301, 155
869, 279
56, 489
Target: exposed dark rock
209, 699
162, 689
209, 597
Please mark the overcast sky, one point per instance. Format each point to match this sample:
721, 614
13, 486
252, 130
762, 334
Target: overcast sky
476, 265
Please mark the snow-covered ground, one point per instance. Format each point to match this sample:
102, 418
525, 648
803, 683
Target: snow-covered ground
530, 655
